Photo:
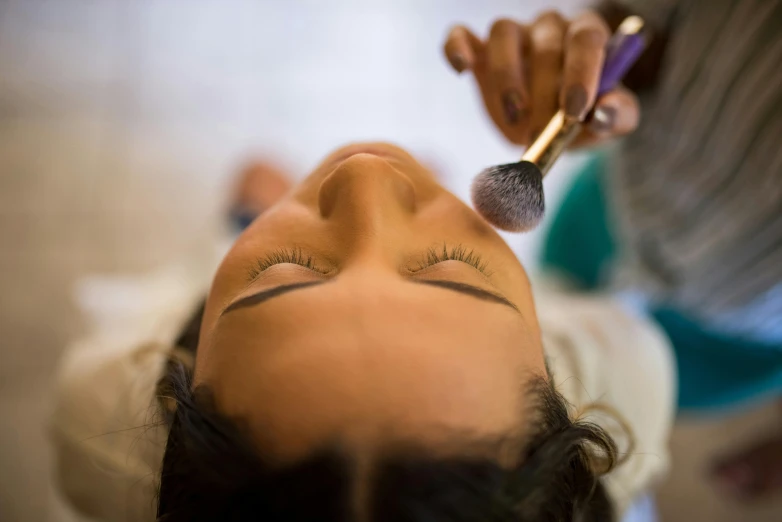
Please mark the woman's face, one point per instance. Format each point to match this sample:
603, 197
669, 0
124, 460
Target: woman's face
369, 306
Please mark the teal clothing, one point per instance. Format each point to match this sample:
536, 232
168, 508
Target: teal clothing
715, 371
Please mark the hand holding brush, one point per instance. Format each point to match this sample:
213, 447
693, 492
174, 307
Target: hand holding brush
584, 61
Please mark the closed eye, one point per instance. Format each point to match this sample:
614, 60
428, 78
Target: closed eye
293, 256
433, 256
454, 253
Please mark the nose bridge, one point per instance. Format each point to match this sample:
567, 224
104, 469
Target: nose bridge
368, 196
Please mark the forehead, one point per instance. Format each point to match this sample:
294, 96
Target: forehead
325, 368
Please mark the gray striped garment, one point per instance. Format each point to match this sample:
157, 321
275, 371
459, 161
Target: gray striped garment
698, 188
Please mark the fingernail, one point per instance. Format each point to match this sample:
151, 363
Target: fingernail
603, 120
459, 63
511, 103
575, 101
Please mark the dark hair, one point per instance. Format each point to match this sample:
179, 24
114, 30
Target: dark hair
212, 471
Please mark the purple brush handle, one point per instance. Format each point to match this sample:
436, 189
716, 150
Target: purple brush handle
621, 53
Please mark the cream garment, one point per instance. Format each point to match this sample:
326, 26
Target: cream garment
603, 354
105, 428
109, 450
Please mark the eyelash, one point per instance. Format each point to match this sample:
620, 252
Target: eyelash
456, 253
284, 255
433, 256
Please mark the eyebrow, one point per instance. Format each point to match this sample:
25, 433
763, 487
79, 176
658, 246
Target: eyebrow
462, 288
470, 290
271, 293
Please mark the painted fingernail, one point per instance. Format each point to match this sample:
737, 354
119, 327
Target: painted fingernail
459, 63
575, 101
511, 104
603, 120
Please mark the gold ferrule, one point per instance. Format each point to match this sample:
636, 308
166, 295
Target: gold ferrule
554, 139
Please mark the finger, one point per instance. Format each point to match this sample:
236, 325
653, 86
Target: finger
504, 67
546, 58
461, 48
584, 53
616, 113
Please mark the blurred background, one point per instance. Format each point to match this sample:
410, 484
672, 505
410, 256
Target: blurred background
122, 123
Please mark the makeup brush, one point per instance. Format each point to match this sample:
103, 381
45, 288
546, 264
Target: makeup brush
510, 196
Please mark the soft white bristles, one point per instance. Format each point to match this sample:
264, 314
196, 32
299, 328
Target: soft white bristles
510, 196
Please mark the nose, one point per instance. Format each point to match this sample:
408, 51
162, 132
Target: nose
368, 193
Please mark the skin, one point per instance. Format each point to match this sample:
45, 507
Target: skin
372, 352
528, 71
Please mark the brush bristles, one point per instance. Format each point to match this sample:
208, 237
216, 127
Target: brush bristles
510, 197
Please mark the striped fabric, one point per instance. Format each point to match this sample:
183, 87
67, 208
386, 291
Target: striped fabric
698, 189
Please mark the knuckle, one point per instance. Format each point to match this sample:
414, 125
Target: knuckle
595, 18
502, 27
550, 17
458, 32
588, 37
